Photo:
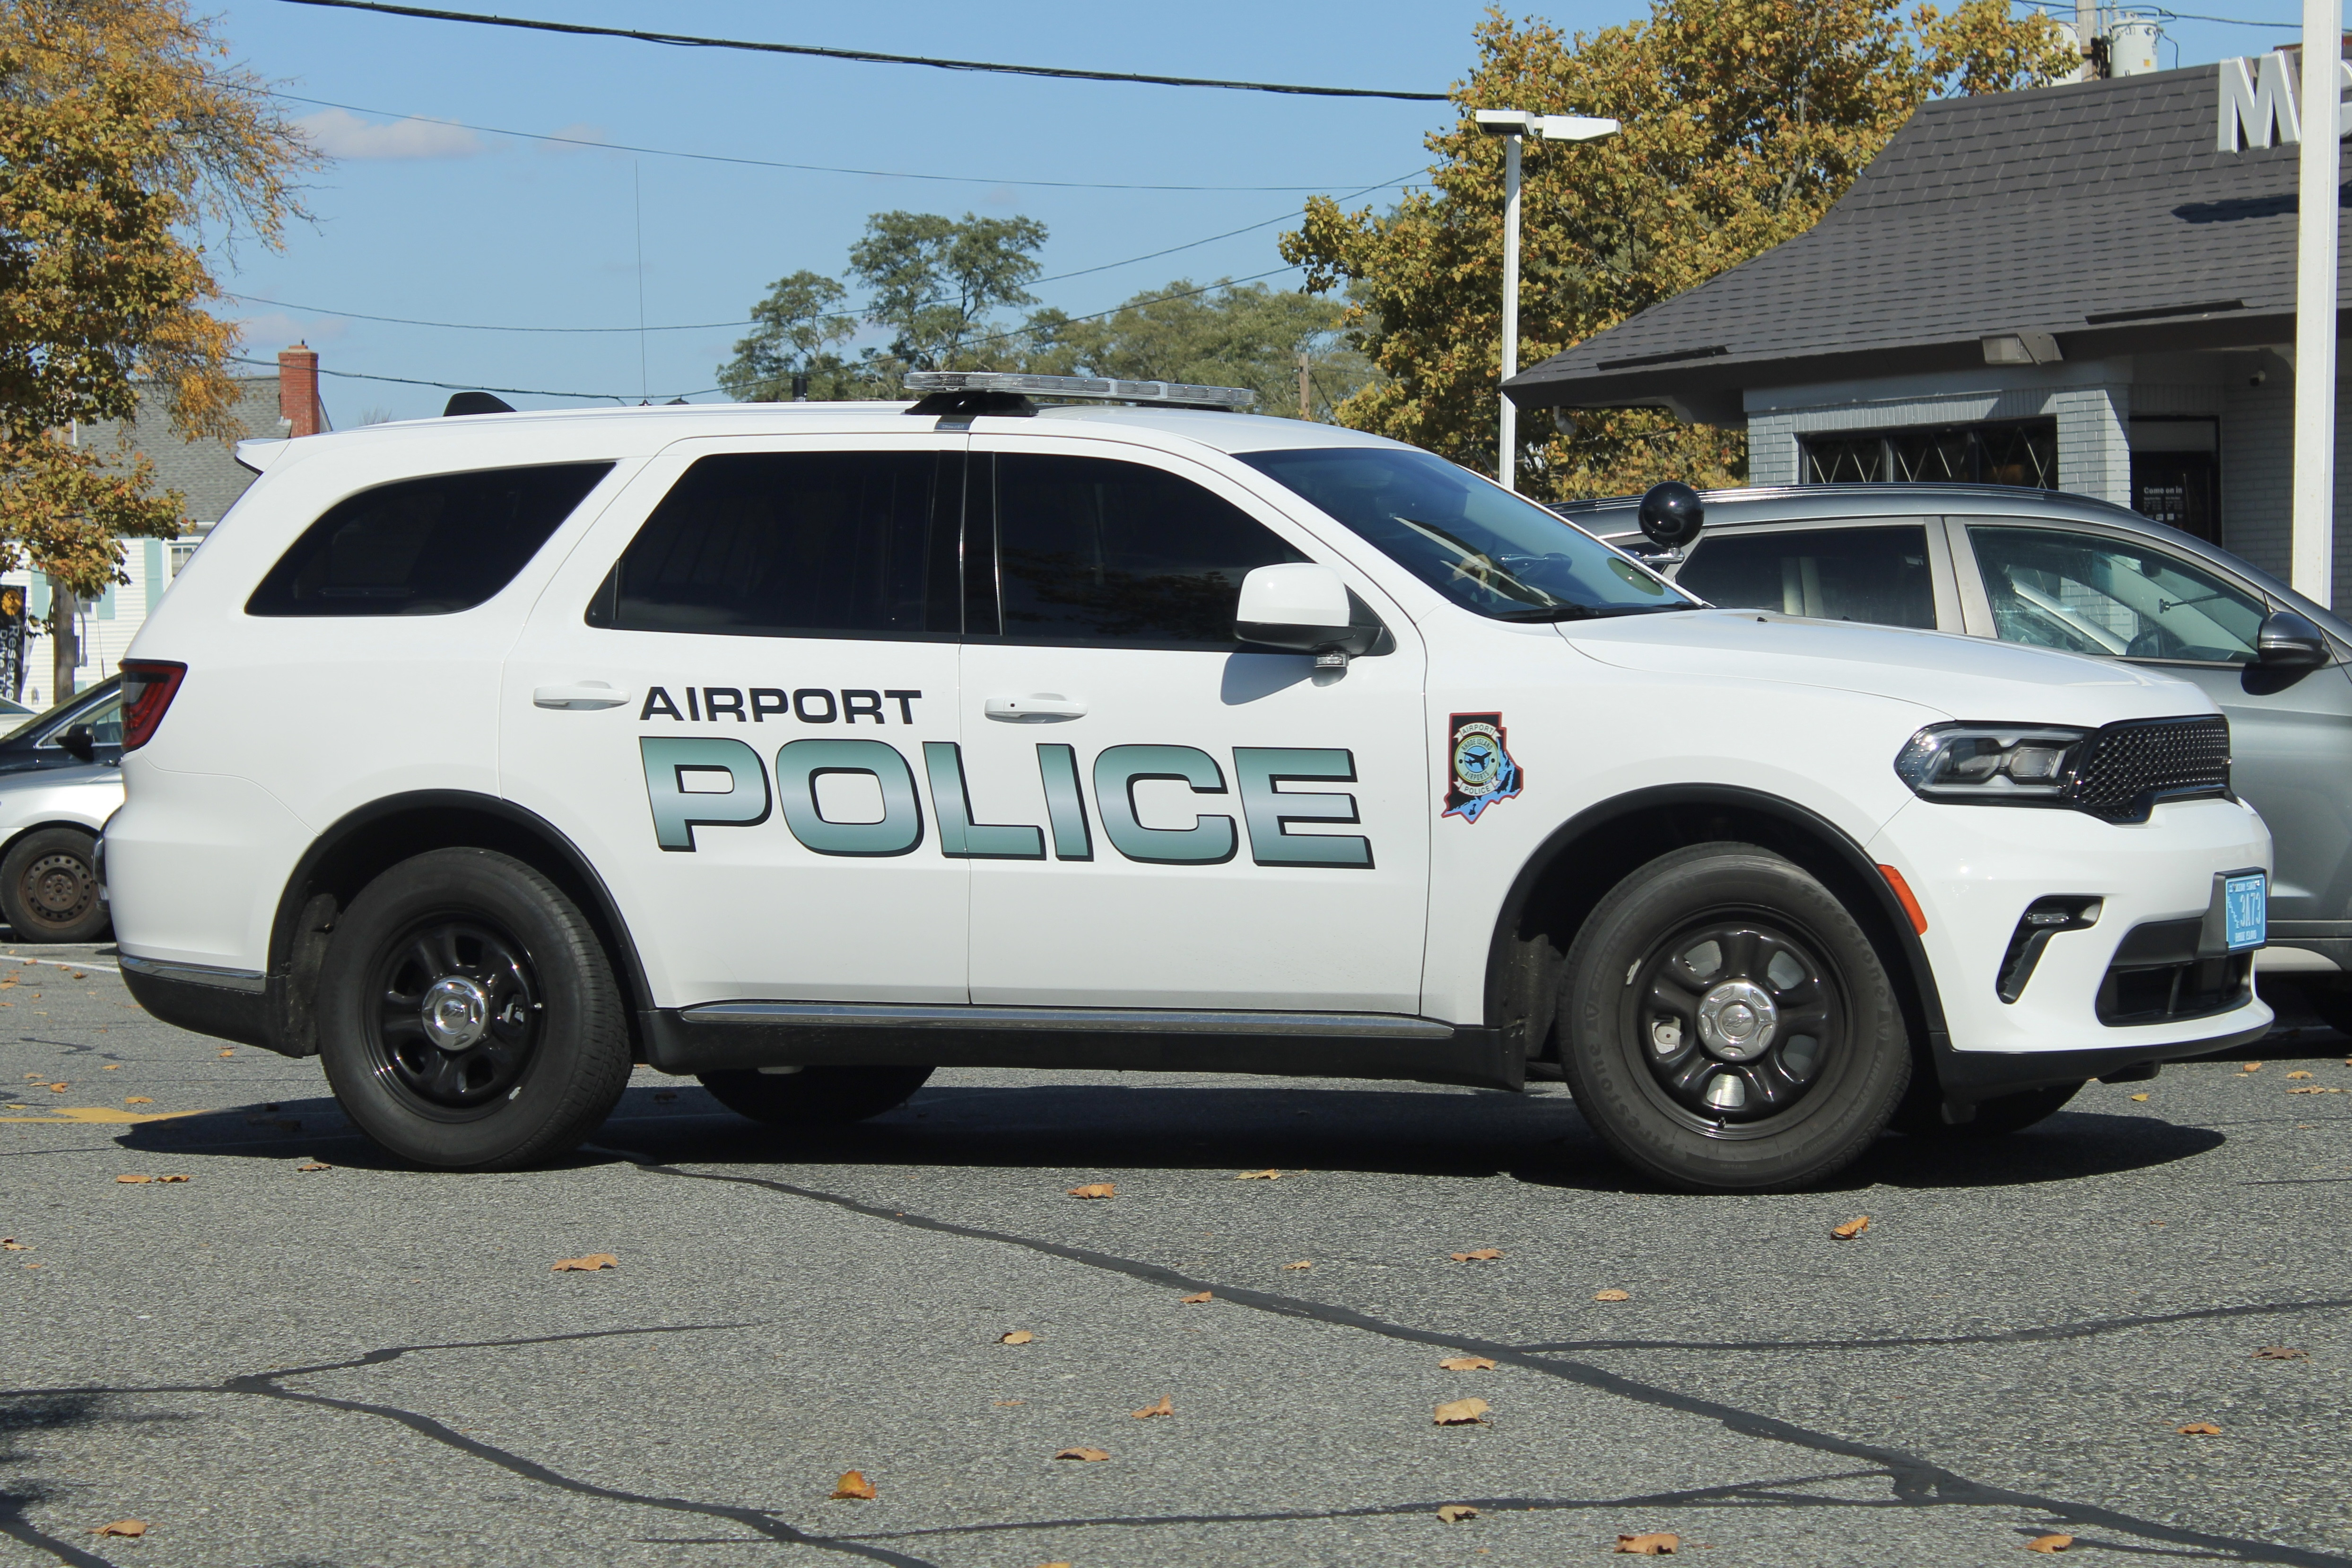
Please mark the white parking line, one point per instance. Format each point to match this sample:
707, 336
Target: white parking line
64, 964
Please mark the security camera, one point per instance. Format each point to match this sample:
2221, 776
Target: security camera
2258, 377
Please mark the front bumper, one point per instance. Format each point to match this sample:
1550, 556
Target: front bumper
1975, 869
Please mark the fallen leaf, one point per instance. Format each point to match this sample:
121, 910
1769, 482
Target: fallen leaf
176, 1178
2298, 1075
223, 1053
1460, 1413
1164, 1408
1017, 1337
10, 1243
2315, 1089
1093, 1190
1466, 1363
314, 1166
113, 1066
1090, 1456
1656, 1543
853, 1484
2252, 1067
2135, 1097
1196, 1299
2198, 1429
138, 1100
1457, 1513
1851, 1229
1259, 1176
2281, 1352
1302, 1263
589, 1264
1484, 1255
1053, 1565
1612, 1295
131, 1180
59, 1088
2050, 1543
78, 975
131, 1527
32, 1266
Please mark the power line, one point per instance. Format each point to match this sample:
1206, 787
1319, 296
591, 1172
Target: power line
2229, 21
869, 56
770, 163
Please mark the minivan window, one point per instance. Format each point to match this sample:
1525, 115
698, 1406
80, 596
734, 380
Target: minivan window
429, 546
1876, 574
1093, 550
1475, 543
794, 544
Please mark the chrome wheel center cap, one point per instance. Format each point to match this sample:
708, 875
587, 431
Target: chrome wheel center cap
457, 1013
1737, 1021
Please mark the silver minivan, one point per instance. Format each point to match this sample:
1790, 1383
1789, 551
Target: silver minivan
2067, 571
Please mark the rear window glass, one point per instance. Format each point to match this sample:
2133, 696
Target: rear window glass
430, 546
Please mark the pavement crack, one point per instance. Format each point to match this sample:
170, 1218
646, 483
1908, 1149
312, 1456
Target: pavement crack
1918, 1481
2084, 1330
762, 1523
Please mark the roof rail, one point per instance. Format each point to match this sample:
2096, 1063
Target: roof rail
1008, 392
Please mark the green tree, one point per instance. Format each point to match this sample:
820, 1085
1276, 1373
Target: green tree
1744, 121
124, 138
934, 281
794, 330
1227, 335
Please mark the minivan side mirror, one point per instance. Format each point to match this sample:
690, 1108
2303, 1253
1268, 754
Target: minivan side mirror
80, 743
1301, 606
2289, 641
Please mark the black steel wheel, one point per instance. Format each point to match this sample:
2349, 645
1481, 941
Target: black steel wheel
1727, 1025
814, 1096
49, 887
467, 1016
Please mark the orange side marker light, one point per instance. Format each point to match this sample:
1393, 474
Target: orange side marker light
1904, 896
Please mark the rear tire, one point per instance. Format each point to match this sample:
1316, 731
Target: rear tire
814, 1097
1726, 1026
49, 887
467, 1016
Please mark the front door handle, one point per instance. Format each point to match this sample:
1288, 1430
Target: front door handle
1035, 707
579, 696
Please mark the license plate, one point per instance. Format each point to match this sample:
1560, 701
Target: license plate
2245, 910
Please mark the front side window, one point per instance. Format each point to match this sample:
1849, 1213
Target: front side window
2087, 594
794, 544
429, 546
1093, 550
1478, 545
1876, 574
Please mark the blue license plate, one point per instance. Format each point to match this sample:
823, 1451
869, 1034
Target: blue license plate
2245, 910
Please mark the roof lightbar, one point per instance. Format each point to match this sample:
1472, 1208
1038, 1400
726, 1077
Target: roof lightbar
1003, 391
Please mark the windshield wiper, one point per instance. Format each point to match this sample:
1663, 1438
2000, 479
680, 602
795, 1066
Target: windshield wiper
1560, 611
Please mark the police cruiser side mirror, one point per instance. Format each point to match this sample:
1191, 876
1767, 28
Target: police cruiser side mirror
2289, 641
1302, 606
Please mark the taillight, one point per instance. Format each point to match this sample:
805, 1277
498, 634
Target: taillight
148, 687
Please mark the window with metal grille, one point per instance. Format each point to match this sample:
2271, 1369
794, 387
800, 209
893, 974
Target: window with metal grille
2014, 452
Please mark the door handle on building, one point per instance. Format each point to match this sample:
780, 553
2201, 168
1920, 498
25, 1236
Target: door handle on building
579, 696
1037, 707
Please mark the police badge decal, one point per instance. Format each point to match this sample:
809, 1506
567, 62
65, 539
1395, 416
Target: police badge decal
1481, 770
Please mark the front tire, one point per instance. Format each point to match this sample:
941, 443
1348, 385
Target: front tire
49, 887
467, 1016
817, 1096
1728, 1027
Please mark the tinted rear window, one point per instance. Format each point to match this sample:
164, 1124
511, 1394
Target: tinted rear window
423, 547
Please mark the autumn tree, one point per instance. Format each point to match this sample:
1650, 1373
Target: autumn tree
126, 141
1744, 121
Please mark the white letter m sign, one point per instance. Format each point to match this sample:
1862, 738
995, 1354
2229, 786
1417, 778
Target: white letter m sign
2254, 101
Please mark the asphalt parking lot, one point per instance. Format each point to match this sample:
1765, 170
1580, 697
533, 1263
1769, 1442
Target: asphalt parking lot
273, 1364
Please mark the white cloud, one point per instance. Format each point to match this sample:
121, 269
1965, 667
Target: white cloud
340, 133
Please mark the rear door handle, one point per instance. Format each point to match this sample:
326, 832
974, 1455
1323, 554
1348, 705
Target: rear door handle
1037, 707
581, 695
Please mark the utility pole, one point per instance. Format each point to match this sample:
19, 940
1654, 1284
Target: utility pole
2312, 554
1515, 125
1306, 388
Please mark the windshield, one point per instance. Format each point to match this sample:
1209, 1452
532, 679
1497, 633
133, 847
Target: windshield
1477, 544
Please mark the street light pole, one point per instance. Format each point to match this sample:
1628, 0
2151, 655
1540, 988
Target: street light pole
2312, 554
1515, 125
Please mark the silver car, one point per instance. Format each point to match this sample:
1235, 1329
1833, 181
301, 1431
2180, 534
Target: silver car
49, 823
2067, 571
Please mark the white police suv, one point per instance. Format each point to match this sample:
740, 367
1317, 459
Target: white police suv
805, 748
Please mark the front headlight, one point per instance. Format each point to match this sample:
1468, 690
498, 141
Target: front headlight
2022, 764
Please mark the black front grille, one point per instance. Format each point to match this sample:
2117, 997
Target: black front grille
2132, 765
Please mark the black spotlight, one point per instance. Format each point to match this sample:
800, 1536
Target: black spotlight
1672, 515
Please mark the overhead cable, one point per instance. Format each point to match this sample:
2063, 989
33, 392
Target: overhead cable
869, 57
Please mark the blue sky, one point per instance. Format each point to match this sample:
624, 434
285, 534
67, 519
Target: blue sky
418, 218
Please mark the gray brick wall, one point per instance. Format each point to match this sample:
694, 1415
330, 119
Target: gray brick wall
2095, 441
2093, 448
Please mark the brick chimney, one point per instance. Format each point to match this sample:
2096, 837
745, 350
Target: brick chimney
297, 389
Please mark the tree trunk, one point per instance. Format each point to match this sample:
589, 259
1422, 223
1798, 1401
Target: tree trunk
65, 635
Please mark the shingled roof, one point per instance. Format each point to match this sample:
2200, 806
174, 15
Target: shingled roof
2099, 212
